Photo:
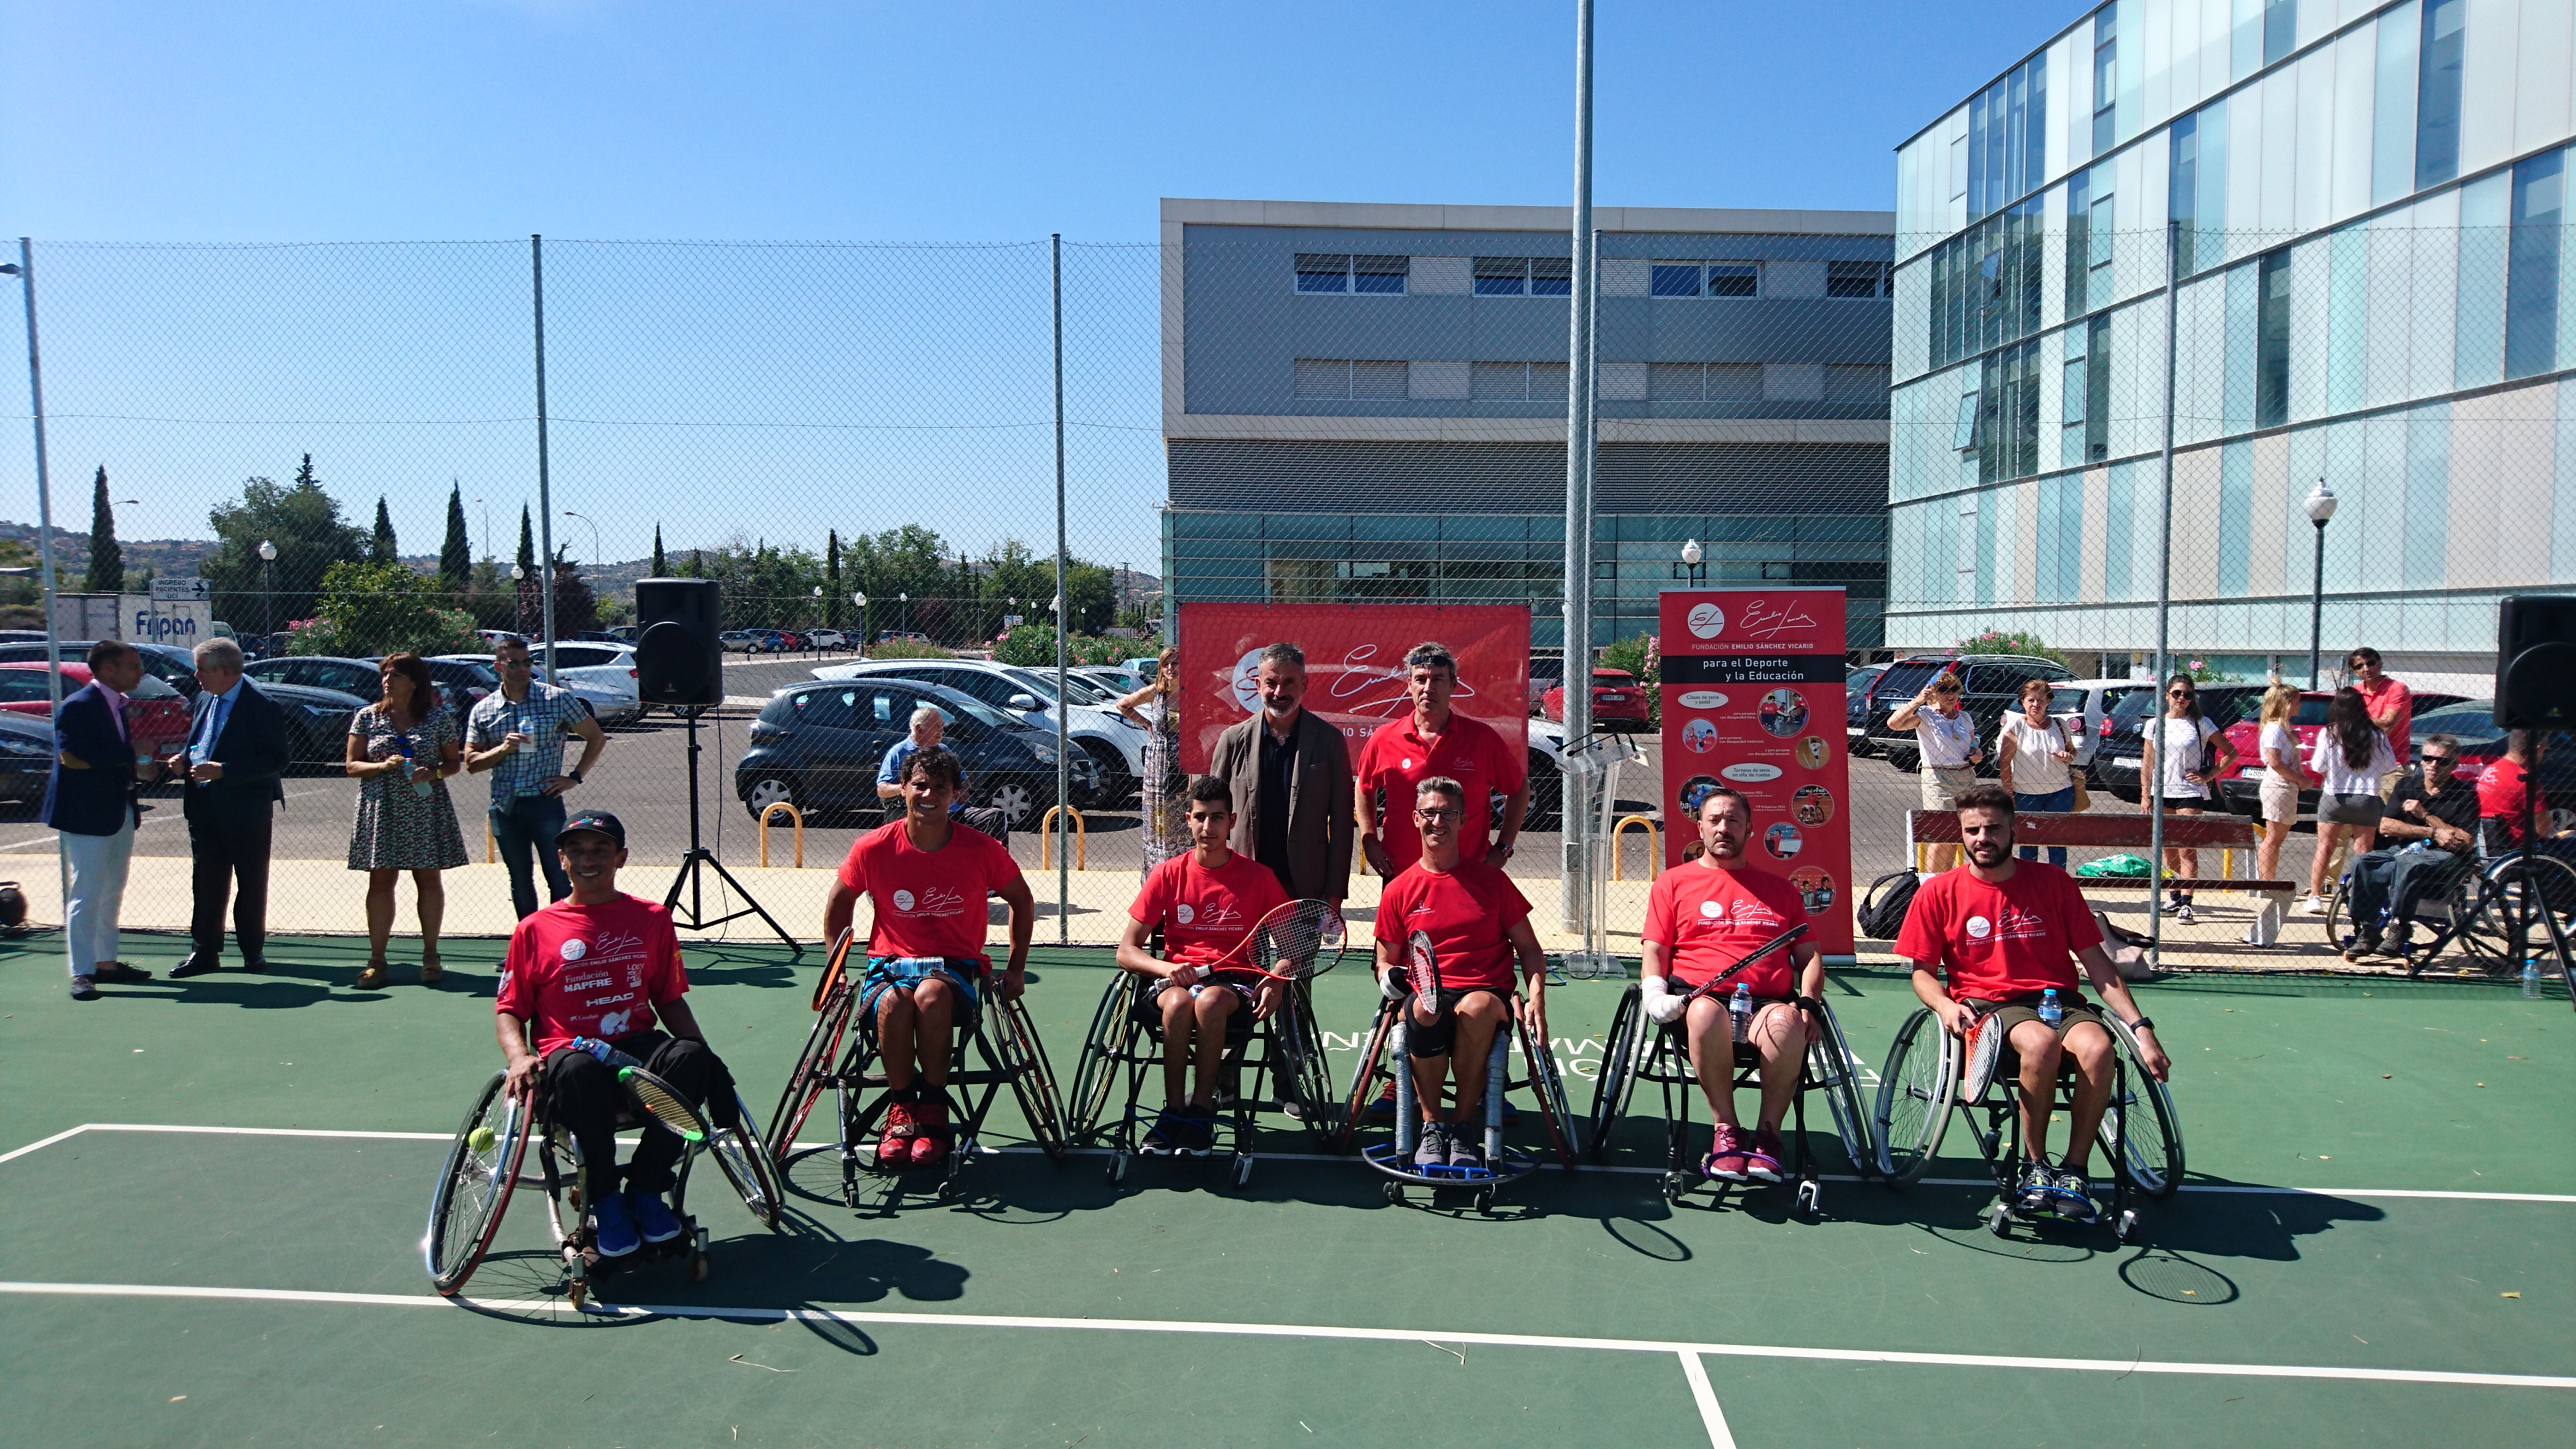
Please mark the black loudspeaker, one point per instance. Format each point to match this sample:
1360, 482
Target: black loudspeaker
2535, 686
678, 659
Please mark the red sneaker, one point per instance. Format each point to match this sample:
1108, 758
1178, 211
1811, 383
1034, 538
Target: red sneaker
932, 1143
1726, 1160
901, 1131
1762, 1163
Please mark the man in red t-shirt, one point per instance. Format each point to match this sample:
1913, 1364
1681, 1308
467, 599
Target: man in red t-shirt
1434, 741
2004, 933
584, 980
1478, 922
1205, 903
1702, 916
2390, 703
926, 880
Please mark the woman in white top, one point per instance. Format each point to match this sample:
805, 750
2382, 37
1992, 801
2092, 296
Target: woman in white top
2352, 754
2035, 757
2282, 778
2176, 764
1945, 736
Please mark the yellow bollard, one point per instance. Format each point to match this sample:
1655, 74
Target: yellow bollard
794, 814
491, 854
1654, 839
1046, 837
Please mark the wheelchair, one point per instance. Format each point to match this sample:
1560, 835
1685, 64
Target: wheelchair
488, 1160
1385, 1058
2501, 908
1286, 1075
1922, 1082
998, 1035
1639, 1049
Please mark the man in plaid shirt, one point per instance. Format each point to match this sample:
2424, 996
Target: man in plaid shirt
518, 736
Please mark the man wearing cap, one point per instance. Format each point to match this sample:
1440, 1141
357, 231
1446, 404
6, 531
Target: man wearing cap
584, 981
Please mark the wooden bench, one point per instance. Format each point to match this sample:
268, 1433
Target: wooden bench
2226, 834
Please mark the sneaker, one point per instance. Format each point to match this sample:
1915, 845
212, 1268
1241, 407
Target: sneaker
1163, 1139
1198, 1133
612, 1231
2182, 914
84, 989
932, 1143
2069, 1196
1466, 1149
2395, 943
895, 1148
2172, 904
2314, 905
2030, 1188
117, 973
1762, 1163
1384, 1106
652, 1217
928, 1149
1433, 1149
1727, 1160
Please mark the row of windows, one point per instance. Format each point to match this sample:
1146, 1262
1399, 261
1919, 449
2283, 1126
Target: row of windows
1341, 379
1518, 277
1391, 276
1343, 272
1637, 536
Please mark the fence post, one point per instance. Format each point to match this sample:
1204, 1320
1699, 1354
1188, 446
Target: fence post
2151, 791
26, 270
1063, 742
1574, 805
545, 494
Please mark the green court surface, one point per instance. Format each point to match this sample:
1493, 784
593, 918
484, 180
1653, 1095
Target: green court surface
2372, 1247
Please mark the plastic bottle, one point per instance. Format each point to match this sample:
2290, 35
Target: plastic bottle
608, 1055
2049, 1011
2531, 977
1740, 1007
402, 747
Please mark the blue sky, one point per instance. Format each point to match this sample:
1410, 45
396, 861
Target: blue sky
973, 123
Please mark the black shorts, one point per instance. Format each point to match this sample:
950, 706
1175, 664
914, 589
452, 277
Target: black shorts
2011, 1014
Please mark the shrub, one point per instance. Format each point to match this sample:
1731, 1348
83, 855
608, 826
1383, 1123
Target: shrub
2010, 641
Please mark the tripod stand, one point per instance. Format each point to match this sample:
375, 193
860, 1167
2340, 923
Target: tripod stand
701, 859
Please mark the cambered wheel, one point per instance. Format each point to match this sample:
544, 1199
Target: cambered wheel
1810, 1199
1615, 1080
1015, 1038
1096, 1075
1914, 1091
2146, 1135
1355, 1103
474, 1186
750, 1164
1837, 1073
1305, 1077
806, 1081
1548, 1085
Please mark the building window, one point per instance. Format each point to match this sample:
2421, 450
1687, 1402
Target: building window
1524, 276
1675, 279
2008, 137
2531, 271
1673, 381
1855, 279
1735, 382
2272, 340
2106, 77
2437, 92
1850, 382
1733, 279
2280, 28
1705, 279
1517, 382
1377, 381
1344, 272
1551, 276
1335, 379
2071, 392
1963, 431
2097, 390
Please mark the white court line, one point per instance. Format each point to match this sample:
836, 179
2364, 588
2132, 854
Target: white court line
1312, 1330
1710, 1415
2389, 1192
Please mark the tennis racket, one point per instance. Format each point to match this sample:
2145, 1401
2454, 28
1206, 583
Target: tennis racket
666, 1107
1422, 966
1293, 942
1985, 1047
1777, 942
835, 968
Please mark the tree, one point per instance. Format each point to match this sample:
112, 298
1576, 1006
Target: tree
659, 569
697, 563
576, 606
456, 553
832, 580
527, 559
2010, 641
382, 548
305, 524
765, 586
374, 607
106, 555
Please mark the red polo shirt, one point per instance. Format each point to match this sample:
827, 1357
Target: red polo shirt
1471, 752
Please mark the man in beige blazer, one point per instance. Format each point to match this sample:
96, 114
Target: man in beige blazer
1290, 775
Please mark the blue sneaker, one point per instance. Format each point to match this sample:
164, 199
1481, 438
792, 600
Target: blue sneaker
653, 1217
613, 1231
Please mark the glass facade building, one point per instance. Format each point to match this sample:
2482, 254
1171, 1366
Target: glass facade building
2360, 208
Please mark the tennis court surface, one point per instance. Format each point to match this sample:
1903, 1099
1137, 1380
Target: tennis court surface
212, 1195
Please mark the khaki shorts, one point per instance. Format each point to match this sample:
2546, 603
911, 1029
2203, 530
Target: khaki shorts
1941, 788
2011, 1014
2280, 799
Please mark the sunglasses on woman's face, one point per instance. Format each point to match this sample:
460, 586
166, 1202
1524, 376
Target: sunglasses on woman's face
2177, 694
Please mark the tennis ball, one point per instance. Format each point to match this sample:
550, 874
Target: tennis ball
480, 1139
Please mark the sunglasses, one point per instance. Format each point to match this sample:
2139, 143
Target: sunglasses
2179, 694
2431, 760
1434, 817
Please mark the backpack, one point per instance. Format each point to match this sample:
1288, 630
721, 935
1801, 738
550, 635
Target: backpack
1882, 911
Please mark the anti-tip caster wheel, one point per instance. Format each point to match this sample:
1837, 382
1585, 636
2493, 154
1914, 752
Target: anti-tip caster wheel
948, 1189
1809, 1195
1394, 1194
1999, 1221
1242, 1171
1485, 1203
2127, 1225
1116, 1172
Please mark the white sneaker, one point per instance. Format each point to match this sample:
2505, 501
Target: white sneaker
2314, 905
2182, 914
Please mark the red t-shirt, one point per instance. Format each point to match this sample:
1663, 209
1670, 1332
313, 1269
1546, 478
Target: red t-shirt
576, 970
2500, 787
927, 902
2392, 695
1206, 915
1706, 917
1467, 911
1997, 941
1470, 752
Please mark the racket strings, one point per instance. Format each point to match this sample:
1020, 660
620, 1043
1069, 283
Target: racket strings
665, 1106
1300, 940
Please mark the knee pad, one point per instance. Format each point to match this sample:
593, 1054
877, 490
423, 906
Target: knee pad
1432, 1040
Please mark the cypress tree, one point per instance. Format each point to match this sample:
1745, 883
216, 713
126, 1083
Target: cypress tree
456, 554
383, 550
106, 555
832, 580
660, 570
527, 559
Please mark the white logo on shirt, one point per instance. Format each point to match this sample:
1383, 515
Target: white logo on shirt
1186, 912
903, 900
613, 1023
575, 950
1980, 927
1407, 762
1711, 909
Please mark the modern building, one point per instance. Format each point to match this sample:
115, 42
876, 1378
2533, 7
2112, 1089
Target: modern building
1368, 402
2362, 205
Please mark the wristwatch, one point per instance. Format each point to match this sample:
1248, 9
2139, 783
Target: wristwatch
573, 775
2143, 1023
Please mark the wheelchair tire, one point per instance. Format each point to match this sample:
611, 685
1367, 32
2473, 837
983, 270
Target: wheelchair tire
1616, 1079
806, 1081
474, 1186
1915, 1088
2339, 927
1548, 1085
2146, 1135
2505, 907
1364, 1074
1304, 1076
1836, 1073
1096, 1075
750, 1165
1032, 1077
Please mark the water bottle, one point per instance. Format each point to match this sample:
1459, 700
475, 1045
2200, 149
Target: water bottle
1740, 1007
2049, 1011
402, 747
608, 1055
2531, 977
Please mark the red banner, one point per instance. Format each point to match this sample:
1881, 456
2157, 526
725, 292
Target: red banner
1753, 699
1355, 675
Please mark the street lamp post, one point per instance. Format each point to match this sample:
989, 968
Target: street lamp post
818, 621
904, 601
267, 587
1692, 554
595, 559
2321, 506
860, 598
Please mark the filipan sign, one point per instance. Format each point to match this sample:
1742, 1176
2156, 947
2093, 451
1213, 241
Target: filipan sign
177, 623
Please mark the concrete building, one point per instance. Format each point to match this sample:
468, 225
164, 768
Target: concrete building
1368, 402
2363, 205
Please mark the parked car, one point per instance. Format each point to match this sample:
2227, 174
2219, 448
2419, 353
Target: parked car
349, 676
26, 758
1993, 686
1112, 741
27, 689
911, 636
1546, 672
2116, 760
827, 639
817, 746
1118, 682
173, 667
1141, 668
602, 674
1618, 702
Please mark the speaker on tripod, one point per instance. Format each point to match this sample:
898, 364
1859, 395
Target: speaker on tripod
678, 662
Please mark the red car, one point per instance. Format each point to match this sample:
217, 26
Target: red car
23, 689
1618, 702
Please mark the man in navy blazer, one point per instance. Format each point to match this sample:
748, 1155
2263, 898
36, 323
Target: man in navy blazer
89, 797
236, 753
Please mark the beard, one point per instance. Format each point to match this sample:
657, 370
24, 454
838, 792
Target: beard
1989, 853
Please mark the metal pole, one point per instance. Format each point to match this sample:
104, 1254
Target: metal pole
2317, 613
45, 554
545, 490
2151, 790
1573, 812
1063, 744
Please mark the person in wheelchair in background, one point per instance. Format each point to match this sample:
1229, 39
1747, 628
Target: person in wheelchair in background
2433, 819
584, 982
2005, 934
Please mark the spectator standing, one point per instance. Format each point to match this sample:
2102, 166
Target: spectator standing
927, 728
402, 749
1436, 742
2035, 759
2283, 778
229, 794
2391, 706
1162, 795
2435, 813
2352, 756
2501, 786
2178, 775
89, 799
517, 733
1946, 739
1288, 772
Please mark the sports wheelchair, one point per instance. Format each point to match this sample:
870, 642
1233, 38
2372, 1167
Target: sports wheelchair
1926, 1076
2503, 908
997, 1034
1385, 1058
1286, 1075
1639, 1049
488, 1160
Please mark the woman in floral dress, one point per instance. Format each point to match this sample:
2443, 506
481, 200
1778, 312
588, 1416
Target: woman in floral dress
401, 750
1160, 796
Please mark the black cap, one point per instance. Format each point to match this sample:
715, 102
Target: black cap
598, 822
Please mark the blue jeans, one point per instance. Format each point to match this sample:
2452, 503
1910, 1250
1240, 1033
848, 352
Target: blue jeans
2055, 802
526, 826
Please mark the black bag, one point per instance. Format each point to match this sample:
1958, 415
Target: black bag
1882, 911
